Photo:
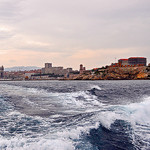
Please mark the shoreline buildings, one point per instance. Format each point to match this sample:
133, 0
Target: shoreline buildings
55, 73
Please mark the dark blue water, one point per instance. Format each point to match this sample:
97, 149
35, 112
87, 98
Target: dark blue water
80, 115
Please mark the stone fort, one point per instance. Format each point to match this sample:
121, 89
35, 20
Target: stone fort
49, 69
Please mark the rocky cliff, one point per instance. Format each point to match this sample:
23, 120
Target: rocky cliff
116, 73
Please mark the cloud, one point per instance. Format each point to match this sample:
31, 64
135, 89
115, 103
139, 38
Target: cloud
80, 29
93, 24
9, 10
5, 32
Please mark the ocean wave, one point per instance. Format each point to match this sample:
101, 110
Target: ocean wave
43, 119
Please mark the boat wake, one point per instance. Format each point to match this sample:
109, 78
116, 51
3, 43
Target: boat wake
37, 118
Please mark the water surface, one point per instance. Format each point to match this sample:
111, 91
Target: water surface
80, 115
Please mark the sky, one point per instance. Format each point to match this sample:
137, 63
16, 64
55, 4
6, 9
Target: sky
70, 32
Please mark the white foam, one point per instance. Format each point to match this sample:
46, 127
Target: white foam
107, 118
19, 143
140, 112
58, 140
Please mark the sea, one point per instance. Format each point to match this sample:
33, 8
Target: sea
75, 115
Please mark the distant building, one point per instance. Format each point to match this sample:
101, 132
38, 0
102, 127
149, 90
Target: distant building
69, 69
28, 74
48, 65
73, 74
82, 69
123, 62
49, 69
130, 62
137, 61
115, 65
2, 72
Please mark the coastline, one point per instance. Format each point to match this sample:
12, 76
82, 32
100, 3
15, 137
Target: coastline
108, 73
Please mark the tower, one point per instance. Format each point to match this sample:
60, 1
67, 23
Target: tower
82, 69
48, 65
2, 72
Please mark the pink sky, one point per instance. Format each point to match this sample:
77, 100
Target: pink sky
68, 33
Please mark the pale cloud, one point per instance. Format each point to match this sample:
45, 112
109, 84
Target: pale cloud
5, 28
3, 52
10, 10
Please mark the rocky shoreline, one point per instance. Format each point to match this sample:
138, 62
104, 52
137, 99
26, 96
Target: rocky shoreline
115, 73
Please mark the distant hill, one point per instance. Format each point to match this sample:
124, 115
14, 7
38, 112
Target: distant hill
22, 68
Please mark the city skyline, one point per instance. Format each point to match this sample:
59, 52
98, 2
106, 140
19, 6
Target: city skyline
125, 62
69, 33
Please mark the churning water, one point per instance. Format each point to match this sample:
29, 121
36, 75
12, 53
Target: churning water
80, 115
